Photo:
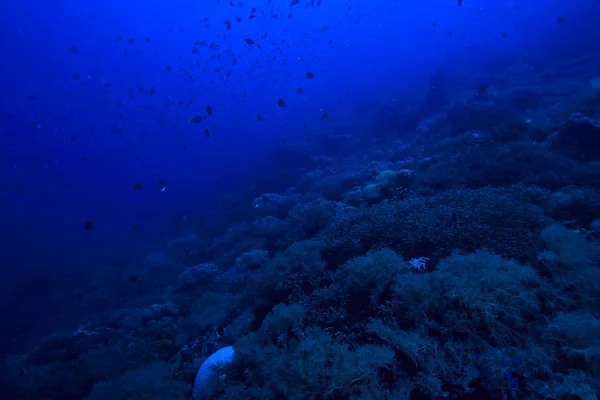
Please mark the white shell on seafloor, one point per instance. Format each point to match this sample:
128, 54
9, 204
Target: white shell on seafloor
206, 379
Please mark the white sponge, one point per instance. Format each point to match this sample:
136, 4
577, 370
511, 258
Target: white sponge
206, 378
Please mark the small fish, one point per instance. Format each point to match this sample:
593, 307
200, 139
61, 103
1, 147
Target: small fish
560, 19
138, 186
481, 90
195, 119
209, 109
88, 226
248, 41
299, 90
309, 75
281, 102
259, 117
206, 133
306, 131
460, 3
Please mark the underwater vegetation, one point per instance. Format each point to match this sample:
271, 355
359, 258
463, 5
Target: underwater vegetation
441, 244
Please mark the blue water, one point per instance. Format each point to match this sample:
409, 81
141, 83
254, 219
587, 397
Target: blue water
97, 98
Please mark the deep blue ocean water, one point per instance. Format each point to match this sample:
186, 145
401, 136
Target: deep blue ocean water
144, 142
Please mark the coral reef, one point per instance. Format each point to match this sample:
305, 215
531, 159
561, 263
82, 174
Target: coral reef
457, 257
